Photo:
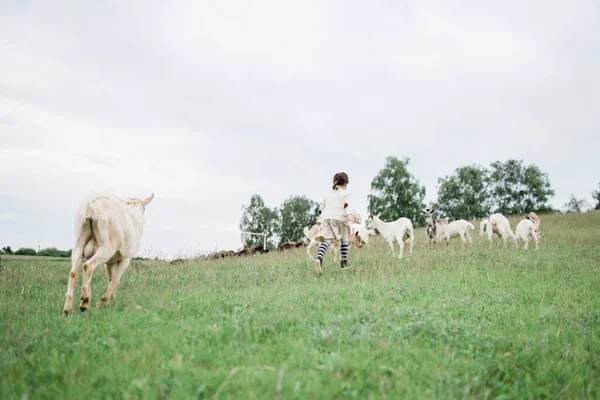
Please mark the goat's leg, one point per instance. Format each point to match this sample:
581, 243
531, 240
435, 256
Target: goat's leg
400, 240
410, 243
391, 244
526, 243
312, 244
76, 258
103, 254
463, 239
335, 247
110, 292
109, 271
469, 238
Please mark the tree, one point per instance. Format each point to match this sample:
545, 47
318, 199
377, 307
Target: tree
519, 189
258, 218
7, 250
575, 205
54, 252
465, 194
25, 251
296, 213
396, 193
49, 252
596, 196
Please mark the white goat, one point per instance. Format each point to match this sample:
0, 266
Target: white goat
482, 226
500, 226
525, 230
439, 229
400, 231
435, 229
107, 230
534, 218
461, 229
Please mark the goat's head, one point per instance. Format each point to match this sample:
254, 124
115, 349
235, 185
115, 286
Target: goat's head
358, 240
369, 222
428, 212
135, 202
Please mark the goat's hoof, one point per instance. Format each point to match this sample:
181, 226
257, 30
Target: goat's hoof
103, 301
66, 311
85, 304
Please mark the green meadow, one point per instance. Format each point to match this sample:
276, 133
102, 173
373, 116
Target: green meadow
452, 323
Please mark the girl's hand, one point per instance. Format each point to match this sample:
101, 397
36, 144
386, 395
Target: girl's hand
350, 219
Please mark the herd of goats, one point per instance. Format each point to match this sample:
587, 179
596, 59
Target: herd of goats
108, 230
401, 231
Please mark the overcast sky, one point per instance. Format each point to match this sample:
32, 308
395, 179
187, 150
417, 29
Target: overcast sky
205, 103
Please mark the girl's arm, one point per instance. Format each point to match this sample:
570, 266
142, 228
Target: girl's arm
349, 208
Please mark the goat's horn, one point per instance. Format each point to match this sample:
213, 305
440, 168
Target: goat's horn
148, 200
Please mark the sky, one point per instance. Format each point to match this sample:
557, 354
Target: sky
205, 103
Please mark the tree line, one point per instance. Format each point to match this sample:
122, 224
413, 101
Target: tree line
28, 251
471, 192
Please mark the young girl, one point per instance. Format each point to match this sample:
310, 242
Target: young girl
336, 215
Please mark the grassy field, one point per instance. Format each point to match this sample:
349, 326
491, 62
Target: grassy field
455, 323
13, 257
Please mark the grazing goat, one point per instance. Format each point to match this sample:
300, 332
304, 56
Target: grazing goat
525, 230
500, 226
260, 249
290, 245
439, 229
251, 250
248, 251
107, 230
177, 261
534, 218
461, 228
400, 231
482, 226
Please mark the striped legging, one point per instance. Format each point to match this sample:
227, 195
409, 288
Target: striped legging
325, 245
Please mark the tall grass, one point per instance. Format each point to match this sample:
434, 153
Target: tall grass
454, 323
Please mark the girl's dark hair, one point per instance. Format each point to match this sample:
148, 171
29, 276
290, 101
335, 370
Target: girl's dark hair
340, 179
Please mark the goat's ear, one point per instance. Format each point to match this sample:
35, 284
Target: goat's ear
371, 216
148, 200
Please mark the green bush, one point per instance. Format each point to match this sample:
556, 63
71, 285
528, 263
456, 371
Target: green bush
54, 252
25, 251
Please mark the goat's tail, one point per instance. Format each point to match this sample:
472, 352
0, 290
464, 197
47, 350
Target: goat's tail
411, 232
482, 226
471, 226
92, 222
